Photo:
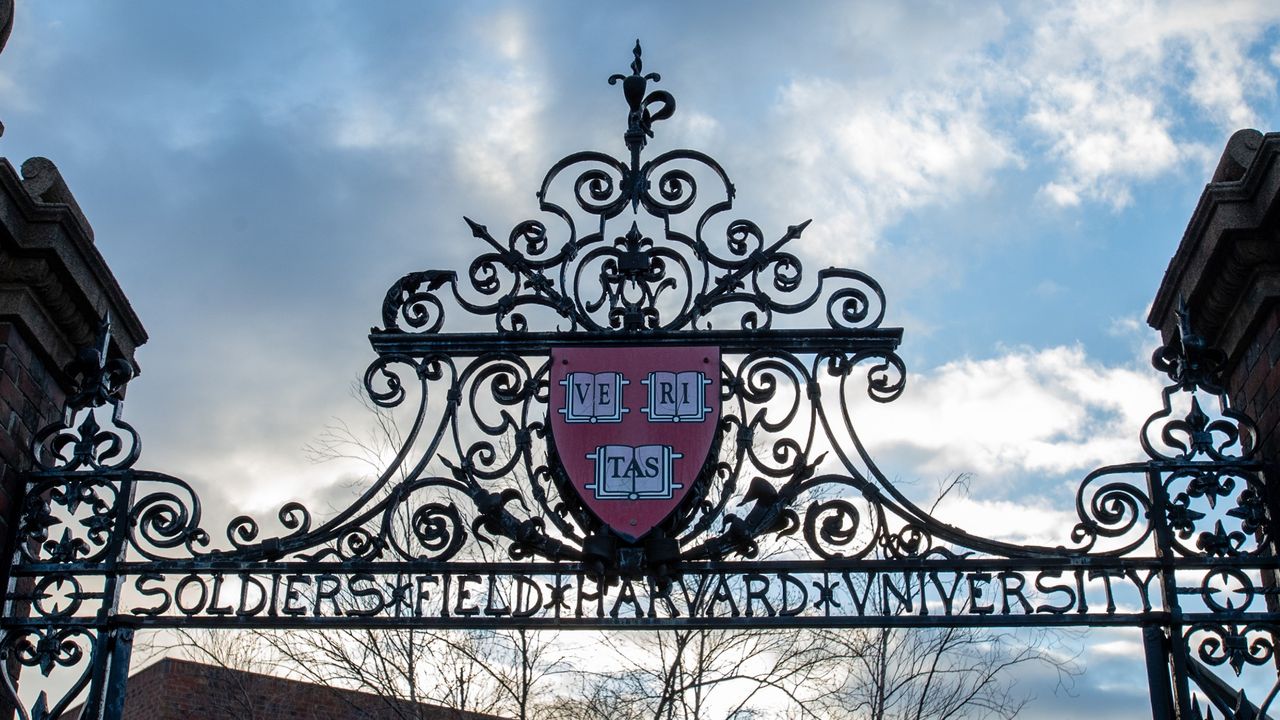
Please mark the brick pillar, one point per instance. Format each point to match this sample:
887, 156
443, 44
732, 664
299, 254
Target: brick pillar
54, 290
1227, 269
29, 400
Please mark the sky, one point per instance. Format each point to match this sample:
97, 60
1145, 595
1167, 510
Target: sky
1016, 176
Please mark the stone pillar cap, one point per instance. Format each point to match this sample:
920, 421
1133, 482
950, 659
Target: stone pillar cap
1227, 266
54, 283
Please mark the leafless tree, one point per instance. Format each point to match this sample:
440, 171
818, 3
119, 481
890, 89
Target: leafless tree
881, 674
492, 672
960, 673
684, 674
403, 664
922, 674
876, 674
242, 660
489, 672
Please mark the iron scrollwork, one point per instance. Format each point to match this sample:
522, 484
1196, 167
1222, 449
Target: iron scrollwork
789, 521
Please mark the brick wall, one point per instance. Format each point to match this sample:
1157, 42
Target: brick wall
180, 690
1254, 382
30, 398
1226, 270
55, 289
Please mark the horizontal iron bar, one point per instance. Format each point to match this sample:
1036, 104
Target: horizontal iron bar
1157, 618
548, 568
1165, 466
729, 341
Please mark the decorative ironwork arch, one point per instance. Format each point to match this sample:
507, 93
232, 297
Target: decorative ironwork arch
787, 523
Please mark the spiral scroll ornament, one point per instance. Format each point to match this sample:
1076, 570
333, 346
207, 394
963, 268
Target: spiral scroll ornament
836, 529
593, 280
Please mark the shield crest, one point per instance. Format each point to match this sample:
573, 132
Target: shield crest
633, 427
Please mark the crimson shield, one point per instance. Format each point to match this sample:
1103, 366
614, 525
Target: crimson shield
633, 427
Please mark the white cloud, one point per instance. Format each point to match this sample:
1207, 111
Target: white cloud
696, 129
1103, 136
1097, 92
492, 143
1127, 327
1061, 195
866, 162
1048, 411
1047, 289
1018, 522
1223, 77
1117, 648
508, 29
483, 114
1106, 80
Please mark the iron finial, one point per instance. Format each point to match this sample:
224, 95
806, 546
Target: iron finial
637, 65
1188, 359
104, 336
641, 113
98, 379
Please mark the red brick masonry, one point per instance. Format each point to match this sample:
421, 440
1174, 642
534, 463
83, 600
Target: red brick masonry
181, 690
1255, 381
29, 400
1227, 271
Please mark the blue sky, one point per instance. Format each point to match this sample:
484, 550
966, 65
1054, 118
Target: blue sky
1016, 175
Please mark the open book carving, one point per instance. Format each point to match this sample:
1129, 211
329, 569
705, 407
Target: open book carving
633, 473
593, 397
677, 397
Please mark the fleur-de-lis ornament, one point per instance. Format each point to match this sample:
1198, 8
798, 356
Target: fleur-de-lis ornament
643, 111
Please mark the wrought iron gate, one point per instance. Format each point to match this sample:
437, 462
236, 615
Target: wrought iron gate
781, 518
